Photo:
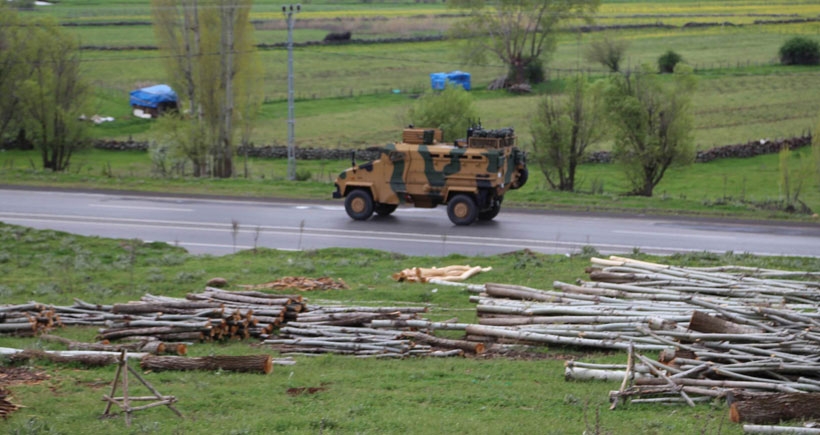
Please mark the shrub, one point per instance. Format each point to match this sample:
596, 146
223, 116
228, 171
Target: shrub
667, 62
451, 110
303, 175
608, 52
800, 51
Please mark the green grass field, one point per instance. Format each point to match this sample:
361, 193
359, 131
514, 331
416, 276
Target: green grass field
742, 93
355, 96
416, 395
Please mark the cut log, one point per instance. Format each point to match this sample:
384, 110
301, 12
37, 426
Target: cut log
703, 322
248, 363
781, 430
469, 346
164, 307
773, 408
88, 359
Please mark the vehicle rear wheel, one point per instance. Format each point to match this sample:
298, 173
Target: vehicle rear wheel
359, 204
385, 209
462, 209
492, 212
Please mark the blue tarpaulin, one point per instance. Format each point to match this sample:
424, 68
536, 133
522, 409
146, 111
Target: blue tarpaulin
458, 78
153, 96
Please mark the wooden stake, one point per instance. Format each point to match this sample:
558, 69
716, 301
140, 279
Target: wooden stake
124, 401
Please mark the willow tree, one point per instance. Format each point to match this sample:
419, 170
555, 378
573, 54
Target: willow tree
52, 95
12, 70
211, 59
517, 32
564, 127
652, 121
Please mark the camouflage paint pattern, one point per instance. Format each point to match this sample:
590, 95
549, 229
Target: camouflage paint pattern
427, 175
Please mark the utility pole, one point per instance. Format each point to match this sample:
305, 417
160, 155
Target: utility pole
289, 12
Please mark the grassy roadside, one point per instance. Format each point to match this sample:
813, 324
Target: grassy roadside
728, 188
475, 395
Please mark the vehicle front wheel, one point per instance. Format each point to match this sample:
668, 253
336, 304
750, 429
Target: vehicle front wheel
359, 204
385, 209
462, 209
523, 176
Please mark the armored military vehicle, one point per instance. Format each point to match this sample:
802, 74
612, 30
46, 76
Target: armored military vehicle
470, 176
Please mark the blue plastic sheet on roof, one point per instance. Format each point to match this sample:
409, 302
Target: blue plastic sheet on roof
153, 96
459, 78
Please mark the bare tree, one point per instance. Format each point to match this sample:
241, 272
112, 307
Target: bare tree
517, 32
562, 130
608, 52
212, 57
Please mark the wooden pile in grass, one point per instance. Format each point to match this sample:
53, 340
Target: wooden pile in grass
210, 315
214, 314
719, 330
6, 407
28, 319
300, 283
385, 332
158, 324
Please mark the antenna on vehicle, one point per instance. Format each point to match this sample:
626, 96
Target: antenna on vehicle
353, 158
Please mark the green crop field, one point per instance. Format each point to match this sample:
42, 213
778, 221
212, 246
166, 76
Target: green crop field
742, 95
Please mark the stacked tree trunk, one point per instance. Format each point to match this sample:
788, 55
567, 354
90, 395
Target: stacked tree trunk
28, 319
156, 324
720, 332
387, 332
210, 315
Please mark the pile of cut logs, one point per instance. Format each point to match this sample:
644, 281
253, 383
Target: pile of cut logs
384, 332
300, 283
155, 322
6, 407
721, 332
210, 315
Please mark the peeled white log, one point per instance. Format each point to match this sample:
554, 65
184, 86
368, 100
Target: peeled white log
410, 323
500, 332
9, 351
472, 288
584, 374
756, 428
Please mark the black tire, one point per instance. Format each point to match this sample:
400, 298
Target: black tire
359, 204
492, 212
523, 176
382, 209
462, 209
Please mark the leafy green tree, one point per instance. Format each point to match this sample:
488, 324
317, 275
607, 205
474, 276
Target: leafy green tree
652, 120
212, 60
563, 128
53, 94
451, 110
12, 71
608, 52
517, 32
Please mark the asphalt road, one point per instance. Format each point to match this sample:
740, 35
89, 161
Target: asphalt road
221, 226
